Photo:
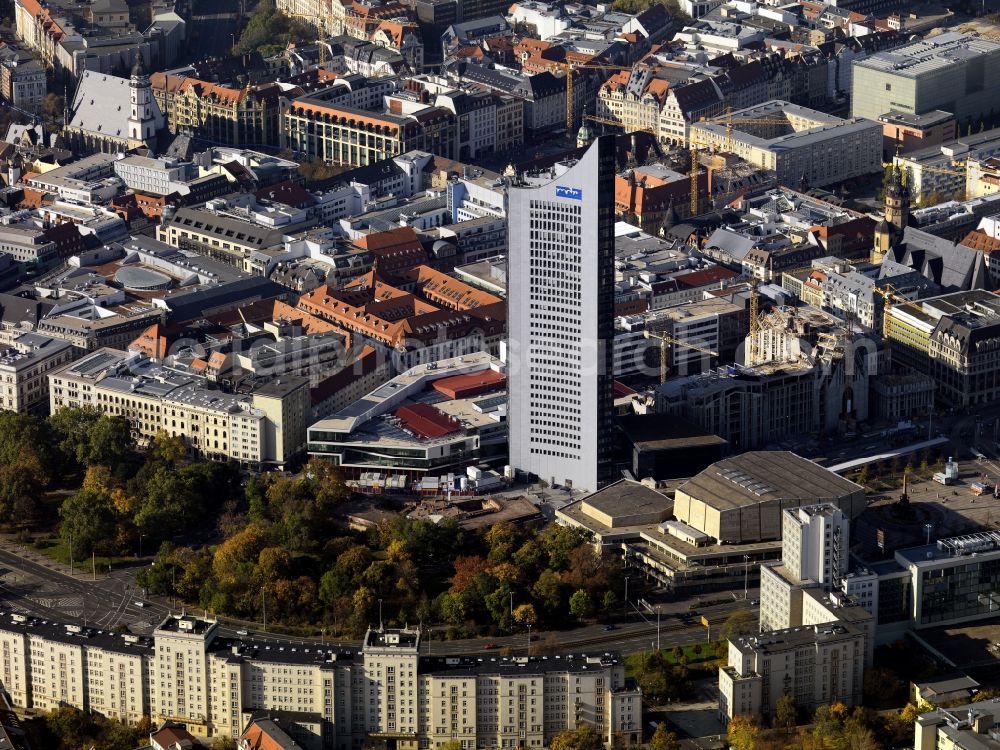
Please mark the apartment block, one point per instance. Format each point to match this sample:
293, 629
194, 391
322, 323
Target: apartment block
337, 698
798, 143
47, 665
815, 641
974, 726
815, 664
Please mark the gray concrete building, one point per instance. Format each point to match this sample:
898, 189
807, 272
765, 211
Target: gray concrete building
954, 72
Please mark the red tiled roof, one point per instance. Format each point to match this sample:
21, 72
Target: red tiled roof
470, 384
704, 277
426, 421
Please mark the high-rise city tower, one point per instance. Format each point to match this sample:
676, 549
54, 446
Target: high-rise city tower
560, 323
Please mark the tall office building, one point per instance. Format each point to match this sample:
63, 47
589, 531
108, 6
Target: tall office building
560, 325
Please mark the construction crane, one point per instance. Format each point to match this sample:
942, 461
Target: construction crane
693, 172
616, 124
728, 121
693, 147
957, 168
891, 296
665, 340
569, 68
321, 40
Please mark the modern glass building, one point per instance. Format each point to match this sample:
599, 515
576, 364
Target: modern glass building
955, 580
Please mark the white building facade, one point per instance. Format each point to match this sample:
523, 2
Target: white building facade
561, 320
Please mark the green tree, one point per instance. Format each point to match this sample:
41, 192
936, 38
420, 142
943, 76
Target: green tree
452, 608
581, 605
525, 615
609, 602
68, 724
27, 464
88, 521
558, 541
270, 30
663, 738
52, 106
584, 737
548, 590
742, 733
87, 437
785, 713
168, 506
740, 622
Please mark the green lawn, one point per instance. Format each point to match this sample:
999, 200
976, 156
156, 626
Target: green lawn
707, 658
58, 549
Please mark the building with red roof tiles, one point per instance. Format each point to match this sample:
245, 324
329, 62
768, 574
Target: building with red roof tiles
470, 384
266, 734
232, 116
689, 286
393, 251
153, 342
419, 425
655, 197
429, 316
403, 37
174, 736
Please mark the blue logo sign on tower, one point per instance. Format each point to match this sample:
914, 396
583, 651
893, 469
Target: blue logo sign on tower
574, 194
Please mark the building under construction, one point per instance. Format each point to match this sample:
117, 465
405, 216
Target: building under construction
805, 375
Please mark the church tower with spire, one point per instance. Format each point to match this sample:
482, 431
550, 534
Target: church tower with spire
889, 231
141, 121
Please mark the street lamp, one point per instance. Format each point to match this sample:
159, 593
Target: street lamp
657, 628
626, 596
529, 639
141, 537
746, 576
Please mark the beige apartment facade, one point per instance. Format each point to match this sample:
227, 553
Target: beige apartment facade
337, 698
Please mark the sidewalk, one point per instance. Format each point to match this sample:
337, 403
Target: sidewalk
8, 544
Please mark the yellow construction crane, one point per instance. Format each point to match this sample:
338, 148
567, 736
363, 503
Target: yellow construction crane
569, 68
321, 40
957, 168
890, 297
666, 340
693, 172
730, 123
616, 124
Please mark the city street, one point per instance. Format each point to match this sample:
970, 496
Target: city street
35, 585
